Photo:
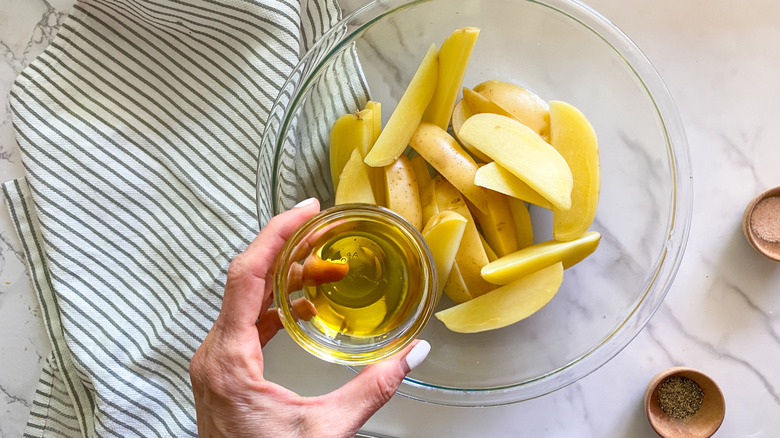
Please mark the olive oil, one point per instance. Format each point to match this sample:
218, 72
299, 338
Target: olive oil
355, 284
381, 288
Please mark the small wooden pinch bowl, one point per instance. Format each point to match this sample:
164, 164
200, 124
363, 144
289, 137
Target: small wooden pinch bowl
702, 424
768, 249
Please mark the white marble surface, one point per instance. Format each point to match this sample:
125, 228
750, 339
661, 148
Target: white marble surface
722, 315
26, 28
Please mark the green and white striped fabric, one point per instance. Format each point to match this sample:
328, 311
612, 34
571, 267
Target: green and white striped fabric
139, 129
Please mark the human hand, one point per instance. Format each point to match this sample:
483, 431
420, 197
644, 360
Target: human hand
231, 396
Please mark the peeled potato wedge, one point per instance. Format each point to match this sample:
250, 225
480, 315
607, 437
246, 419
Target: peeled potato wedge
527, 260
471, 256
460, 113
349, 132
491, 255
455, 287
521, 151
480, 104
354, 184
505, 305
443, 233
494, 177
573, 136
376, 107
454, 56
377, 174
523, 226
407, 114
497, 225
428, 202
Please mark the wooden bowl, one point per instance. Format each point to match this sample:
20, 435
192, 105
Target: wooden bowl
702, 424
768, 249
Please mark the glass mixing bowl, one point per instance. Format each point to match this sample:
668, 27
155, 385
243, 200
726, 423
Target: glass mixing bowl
562, 50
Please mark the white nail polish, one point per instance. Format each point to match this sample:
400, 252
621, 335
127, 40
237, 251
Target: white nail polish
418, 354
305, 202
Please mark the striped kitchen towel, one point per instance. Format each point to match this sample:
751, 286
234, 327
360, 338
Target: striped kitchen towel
139, 129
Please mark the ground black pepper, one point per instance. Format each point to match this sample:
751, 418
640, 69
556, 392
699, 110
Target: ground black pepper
680, 397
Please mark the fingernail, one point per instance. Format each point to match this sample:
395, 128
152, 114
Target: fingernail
418, 354
305, 202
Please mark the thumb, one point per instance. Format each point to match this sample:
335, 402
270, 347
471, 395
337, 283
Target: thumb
376, 384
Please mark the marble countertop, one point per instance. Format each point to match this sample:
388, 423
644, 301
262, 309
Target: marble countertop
722, 314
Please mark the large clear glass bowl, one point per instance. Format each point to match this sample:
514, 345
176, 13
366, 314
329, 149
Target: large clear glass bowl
562, 50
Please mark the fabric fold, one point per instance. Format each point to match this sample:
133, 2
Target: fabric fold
139, 129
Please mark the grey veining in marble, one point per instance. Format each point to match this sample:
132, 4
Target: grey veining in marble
26, 29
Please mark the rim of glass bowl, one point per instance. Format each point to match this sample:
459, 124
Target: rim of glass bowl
678, 222
408, 331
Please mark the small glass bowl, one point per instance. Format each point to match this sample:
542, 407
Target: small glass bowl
369, 311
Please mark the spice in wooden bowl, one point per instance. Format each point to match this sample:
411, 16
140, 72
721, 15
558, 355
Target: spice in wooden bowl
765, 219
680, 397
761, 223
684, 403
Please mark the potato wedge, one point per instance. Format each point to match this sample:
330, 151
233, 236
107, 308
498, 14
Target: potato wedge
526, 106
527, 260
430, 207
523, 226
354, 182
505, 305
460, 113
480, 104
407, 114
443, 233
421, 172
491, 255
521, 151
574, 137
444, 153
455, 288
377, 174
454, 56
376, 107
494, 177
349, 132
403, 195
471, 256
497, 225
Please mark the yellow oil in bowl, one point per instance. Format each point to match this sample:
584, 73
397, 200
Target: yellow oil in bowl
367, 274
